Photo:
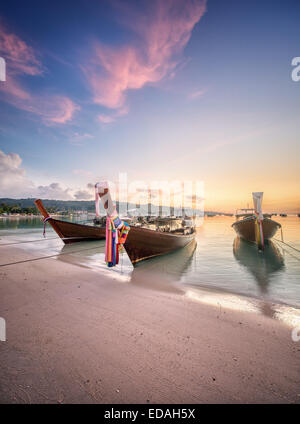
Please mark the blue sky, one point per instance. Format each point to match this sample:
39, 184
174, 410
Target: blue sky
160, 90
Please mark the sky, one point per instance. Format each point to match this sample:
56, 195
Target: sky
188, 90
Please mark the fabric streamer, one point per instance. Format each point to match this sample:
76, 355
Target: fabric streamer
116, 235
257, 200
97, 198
259, 233
116, 229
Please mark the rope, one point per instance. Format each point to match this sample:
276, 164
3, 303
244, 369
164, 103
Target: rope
286, 244
45, 222
45, 239
28, 241
47, 257
292, 247
288, 251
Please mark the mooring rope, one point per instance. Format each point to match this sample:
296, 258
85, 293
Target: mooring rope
50, 238
28, 241
45, 222
289, 245
283, 242
47, 257
287, 251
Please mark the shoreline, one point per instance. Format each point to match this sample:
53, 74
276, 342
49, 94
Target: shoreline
257, 302
74, 335
29, 216
176, 286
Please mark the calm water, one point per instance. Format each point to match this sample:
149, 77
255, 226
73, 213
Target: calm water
218, 260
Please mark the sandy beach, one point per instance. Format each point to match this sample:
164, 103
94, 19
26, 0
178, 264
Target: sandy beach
74, 335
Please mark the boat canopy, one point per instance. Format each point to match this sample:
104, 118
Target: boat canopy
257, 200
102, 191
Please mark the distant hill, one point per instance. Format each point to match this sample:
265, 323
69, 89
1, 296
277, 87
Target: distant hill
89, 206
61, 205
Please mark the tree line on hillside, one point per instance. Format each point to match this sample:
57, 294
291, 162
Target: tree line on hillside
27, 206
17, 209
59, 205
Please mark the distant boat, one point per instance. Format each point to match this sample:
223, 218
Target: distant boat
70, 232
241, 213
283, 215
144, 243
252, 225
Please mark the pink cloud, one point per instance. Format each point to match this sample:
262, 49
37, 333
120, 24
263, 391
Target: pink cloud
78, 139
63, 109
163, 32
196, 94
21, 60
12, 88
20, 57
52, 109
106, 119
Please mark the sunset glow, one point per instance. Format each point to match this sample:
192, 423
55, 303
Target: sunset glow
161, 90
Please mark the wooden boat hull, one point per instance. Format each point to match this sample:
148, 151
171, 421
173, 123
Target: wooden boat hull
246, 228
70, 232
143, 243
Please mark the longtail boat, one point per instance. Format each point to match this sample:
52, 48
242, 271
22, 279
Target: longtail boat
144, 243
252, 225
70, 232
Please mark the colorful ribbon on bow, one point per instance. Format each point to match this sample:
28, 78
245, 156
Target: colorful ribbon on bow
257, 200
116, 235
45, 222
259, 232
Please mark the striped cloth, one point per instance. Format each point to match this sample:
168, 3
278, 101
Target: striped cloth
116, 235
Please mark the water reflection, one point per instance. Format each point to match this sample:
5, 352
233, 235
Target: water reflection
164, 272
34, 222
159, 273
262, 265
81, 253
212, 265
92, 255
17, 223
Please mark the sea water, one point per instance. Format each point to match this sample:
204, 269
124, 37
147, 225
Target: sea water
217, 260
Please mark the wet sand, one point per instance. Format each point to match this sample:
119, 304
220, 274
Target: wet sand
75, 336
